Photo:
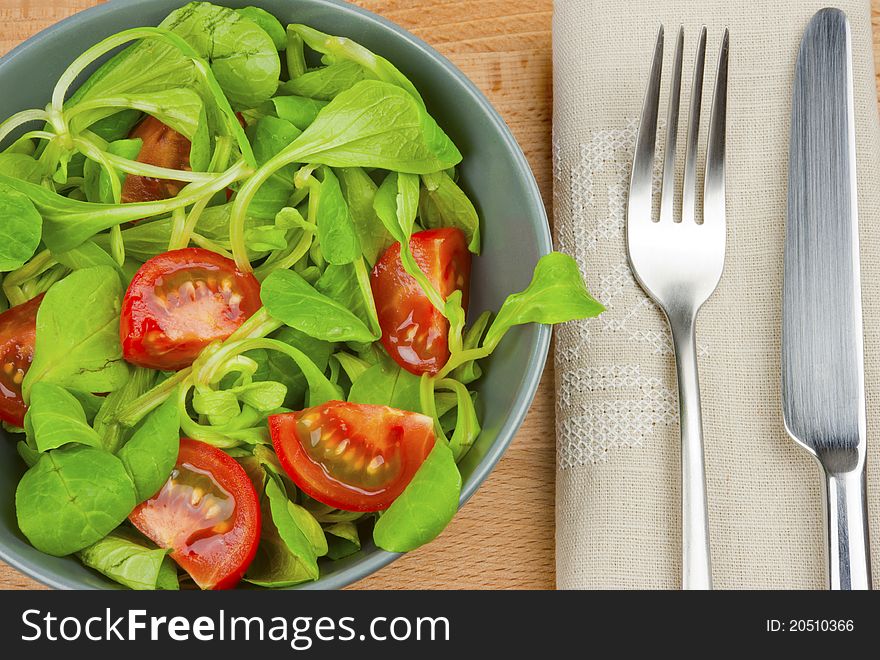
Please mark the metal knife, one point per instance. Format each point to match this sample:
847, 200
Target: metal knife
823, 385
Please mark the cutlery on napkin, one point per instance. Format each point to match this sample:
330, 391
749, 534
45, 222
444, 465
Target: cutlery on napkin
618, 484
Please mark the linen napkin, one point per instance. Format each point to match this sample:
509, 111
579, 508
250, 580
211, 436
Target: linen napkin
618, 483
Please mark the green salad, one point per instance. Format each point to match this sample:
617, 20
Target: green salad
234, 340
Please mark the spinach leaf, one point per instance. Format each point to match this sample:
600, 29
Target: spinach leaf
278, 367
150, 454
320, 388
556, 294
296, 56
397, 205
27, 454
21, 166
277, 494
72, 498
20, 229
326, 83
87, 255
56, 418
219, 406
180, 108
470, 371
342, 540
375, 124
69, 222
350, 286
117, 126
264, 397
336, 233
147, 239
271, 136
444, 204
341, 49
105, 423
271, 25
97, 185
242, 55
90, 403
354, 367
298, 110
359, 192
286, 554
130, 562
386, 384
467, 424
152, 65
77, 341
455, 313
425, 507
294, 302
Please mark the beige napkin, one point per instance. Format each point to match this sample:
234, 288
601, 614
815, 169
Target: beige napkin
618, 485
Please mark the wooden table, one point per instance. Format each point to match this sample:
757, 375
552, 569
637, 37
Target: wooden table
504, 537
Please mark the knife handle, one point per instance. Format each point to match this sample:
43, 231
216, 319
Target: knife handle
696, 570
849, 562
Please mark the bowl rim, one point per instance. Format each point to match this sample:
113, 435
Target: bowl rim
540, 348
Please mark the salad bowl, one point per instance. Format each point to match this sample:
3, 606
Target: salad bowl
494, 173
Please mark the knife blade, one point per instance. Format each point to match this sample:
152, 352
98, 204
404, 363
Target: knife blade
822, 353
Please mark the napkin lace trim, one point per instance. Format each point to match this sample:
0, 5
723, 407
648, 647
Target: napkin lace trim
604, 402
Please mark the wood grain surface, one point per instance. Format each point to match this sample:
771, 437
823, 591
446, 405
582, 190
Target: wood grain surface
504, 537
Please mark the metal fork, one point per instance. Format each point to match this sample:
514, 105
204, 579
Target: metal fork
679, 262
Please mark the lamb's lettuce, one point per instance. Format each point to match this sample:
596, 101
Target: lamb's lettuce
73, 497
444, 204
56, 418
425, 507
292, 300
151, 452
336, 232
131, 562
20, 229
77, 340
243, 57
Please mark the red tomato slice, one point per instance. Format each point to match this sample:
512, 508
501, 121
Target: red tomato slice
414, 333
18, 329
162, 147
352, 456
208, 513
181, 301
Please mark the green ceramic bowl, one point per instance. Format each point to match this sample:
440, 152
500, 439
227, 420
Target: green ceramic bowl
494, 172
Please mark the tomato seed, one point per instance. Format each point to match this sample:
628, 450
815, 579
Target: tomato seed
196, 496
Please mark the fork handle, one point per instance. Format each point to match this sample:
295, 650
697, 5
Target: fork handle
696, 560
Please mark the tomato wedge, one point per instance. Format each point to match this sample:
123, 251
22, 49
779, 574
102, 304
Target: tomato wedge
162, 147
207, 513
352, 456
415, 334
18, 329
181, 301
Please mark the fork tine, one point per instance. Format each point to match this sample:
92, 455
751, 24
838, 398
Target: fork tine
667, 192
641, 178
713, 195
688, 196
